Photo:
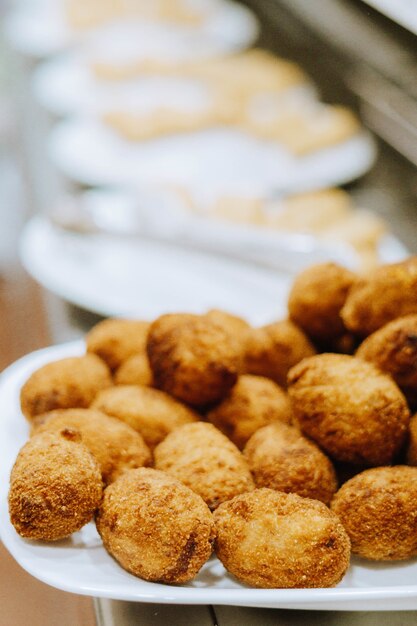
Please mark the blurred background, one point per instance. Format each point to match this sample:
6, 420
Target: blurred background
194, 154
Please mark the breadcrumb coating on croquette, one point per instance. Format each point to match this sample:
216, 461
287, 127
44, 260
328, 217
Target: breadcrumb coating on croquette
253, 402
136, 370
151, 412
155, 527
274, 349
316, 299
72, 382
115, 340
116, 446
270, 539
204, 459
388, 292
353, 411
193, 358
280, 458
378, 509
55, 486
411, 453
393, 349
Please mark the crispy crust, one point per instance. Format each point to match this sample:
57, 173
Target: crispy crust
155, 527
274, 349
68, 383
55, 486
193, 358
388, 292
252, 403
271, 539
115, 445
378, 509
393, 349
349, 408
150, 412
115, 340
202, 458
280, 458
316, 299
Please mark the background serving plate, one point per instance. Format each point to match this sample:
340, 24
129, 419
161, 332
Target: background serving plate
81, 565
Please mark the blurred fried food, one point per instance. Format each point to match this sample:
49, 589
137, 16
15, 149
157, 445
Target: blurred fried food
274, 349
193, 358
150, 412
134, 371
65, 384
115, 340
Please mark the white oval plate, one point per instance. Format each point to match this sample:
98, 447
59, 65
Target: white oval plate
131, 277
81, 565
224, 161
37, 28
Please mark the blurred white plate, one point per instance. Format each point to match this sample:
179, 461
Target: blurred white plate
37, 28
81, 565
219, 161
65, 85
118, 276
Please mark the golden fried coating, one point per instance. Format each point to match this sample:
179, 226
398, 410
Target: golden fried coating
316, 299
349, 408
378, 509
193, 358
388, 292
65, 384
155, 527
115, 445
274, 349
55, 486
151, 412
272, 539
204, 459
115, 340
237, 325
280, 458
393, 349
134, 371
252, 403
412, 442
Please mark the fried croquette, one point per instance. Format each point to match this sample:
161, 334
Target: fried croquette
55, 486
115, 445
280, 458
151, 412
252, 403
134, 371
236, 325
156, 527
316, 299
388, 292
353, 411
274, 349
272, 539
378, 509
204, 459
193, 358
115, 340
411, 452
65, 384
393, 349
